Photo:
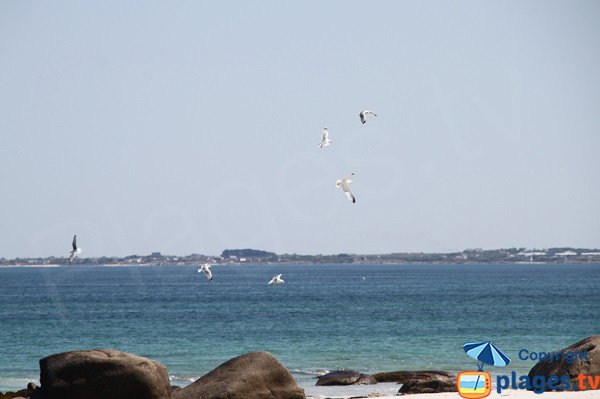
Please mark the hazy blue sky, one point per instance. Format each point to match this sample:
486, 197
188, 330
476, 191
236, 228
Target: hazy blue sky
191, 127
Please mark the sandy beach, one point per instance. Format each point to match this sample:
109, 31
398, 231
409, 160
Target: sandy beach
390, 390
509, 393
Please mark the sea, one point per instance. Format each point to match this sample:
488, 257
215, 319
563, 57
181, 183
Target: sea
365, 317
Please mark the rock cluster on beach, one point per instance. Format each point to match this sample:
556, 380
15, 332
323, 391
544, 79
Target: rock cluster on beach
31, 391
588, 365
255, 375
103, 373
402, 377
108, 373
427, 381
345, 377
423, 381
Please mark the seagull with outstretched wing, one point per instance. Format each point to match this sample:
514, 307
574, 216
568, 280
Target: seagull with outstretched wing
276, 280
363, 115
205, 268
344, 184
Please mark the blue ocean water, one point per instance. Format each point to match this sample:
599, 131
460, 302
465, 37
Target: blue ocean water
365, 317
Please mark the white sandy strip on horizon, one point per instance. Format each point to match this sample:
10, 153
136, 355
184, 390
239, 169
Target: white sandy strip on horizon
508, 393
28, 265
86, 265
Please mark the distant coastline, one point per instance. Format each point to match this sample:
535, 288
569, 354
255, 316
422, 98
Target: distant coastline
253, 256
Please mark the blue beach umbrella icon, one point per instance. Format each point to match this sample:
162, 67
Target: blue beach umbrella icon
486, 353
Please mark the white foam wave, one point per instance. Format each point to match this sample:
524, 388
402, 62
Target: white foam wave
310, 371
182, 380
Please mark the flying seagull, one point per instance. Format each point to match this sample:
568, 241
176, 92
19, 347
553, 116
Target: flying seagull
205, 268
276, 280
363, 115
344, 184
76, 251
325, 140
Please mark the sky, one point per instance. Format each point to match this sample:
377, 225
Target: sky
192, 127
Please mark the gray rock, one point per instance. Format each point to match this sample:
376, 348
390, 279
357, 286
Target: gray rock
101, 374
255, 375
33, 391
14, 395
587, 365
429, 382
402, 376
345, 377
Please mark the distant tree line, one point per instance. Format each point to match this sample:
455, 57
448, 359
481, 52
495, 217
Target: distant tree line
247, 253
